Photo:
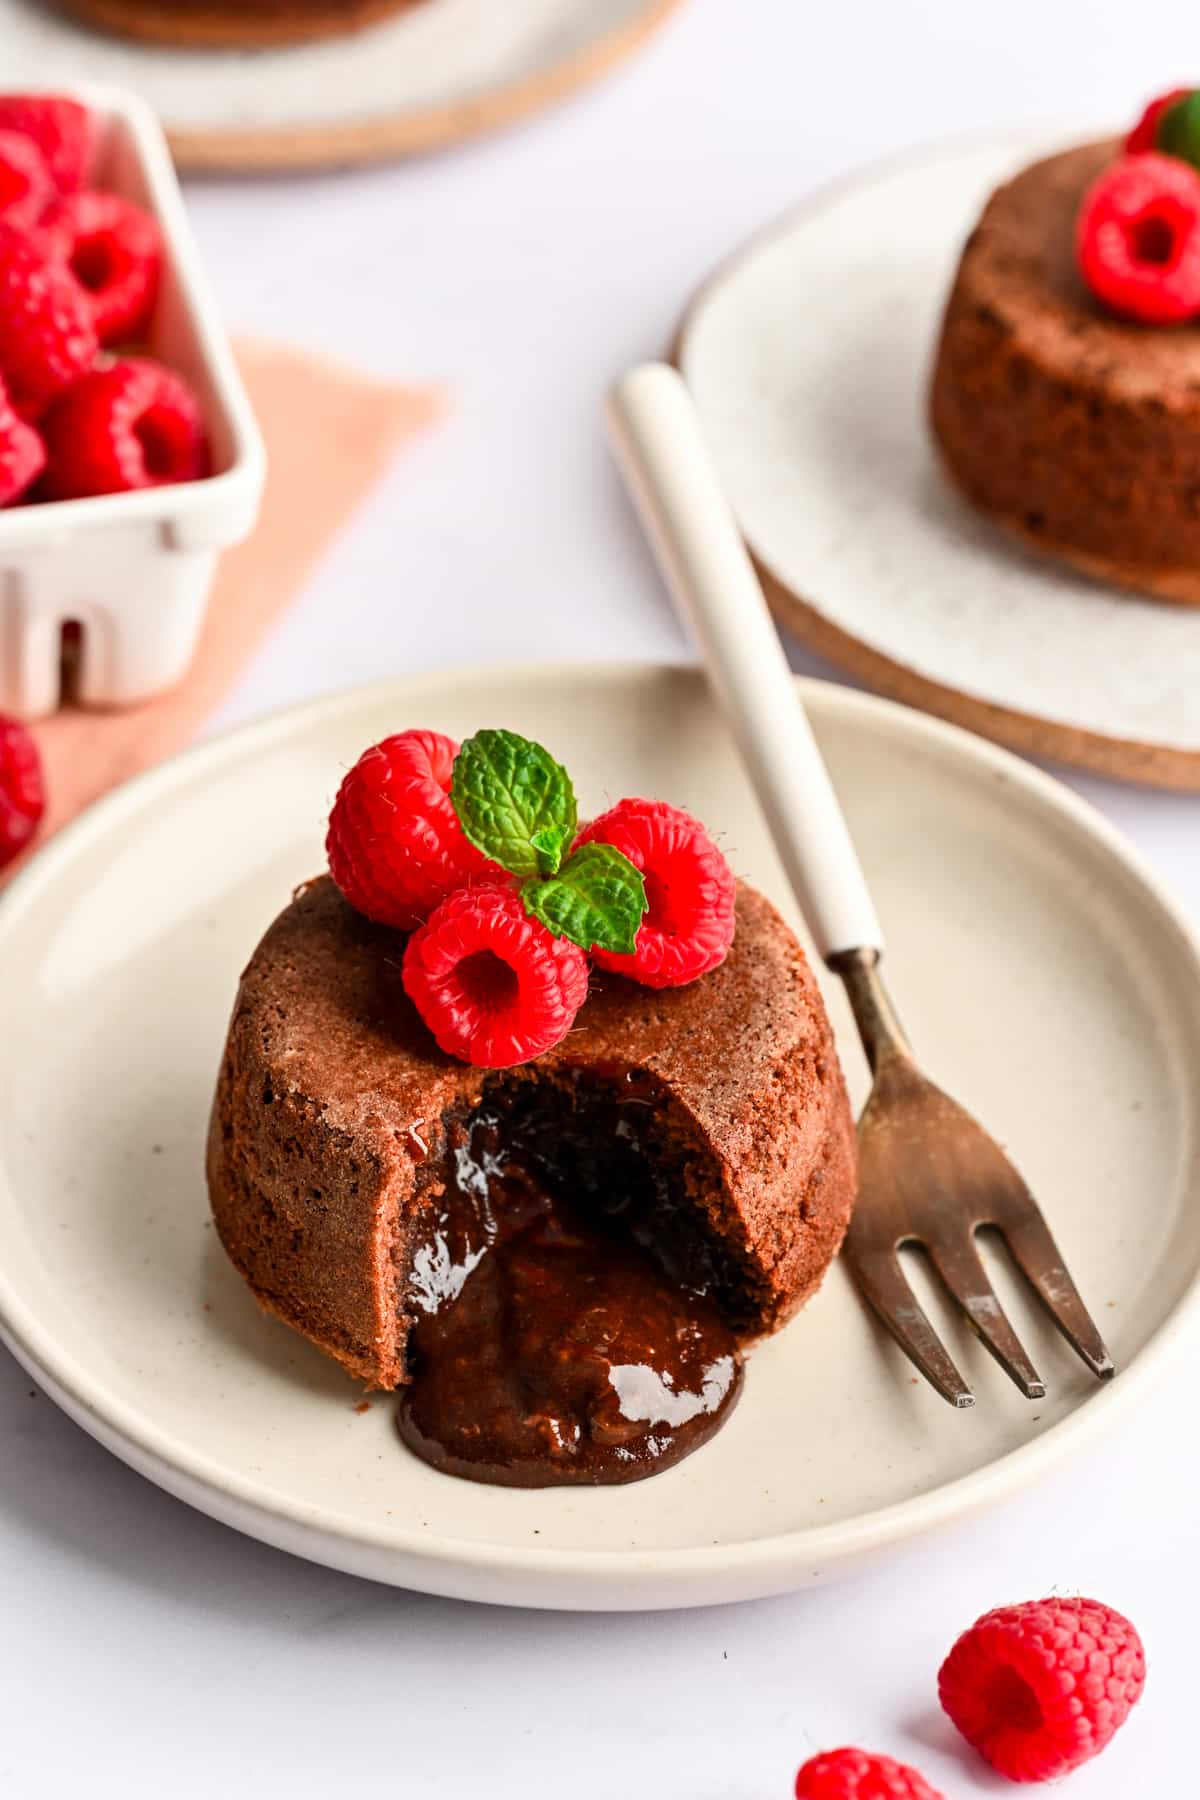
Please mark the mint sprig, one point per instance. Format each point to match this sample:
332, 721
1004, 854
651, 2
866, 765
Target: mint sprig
517, 805
550, 843
597, 899
1178, 130
514, 802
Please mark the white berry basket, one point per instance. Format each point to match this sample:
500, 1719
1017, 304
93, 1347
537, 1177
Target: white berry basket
133, 570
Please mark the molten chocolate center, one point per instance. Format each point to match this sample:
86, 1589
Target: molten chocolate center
563, 1331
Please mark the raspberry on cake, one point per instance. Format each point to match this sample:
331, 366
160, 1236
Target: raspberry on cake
395, 846
492, 984
480, 843
689, 920
1138, 239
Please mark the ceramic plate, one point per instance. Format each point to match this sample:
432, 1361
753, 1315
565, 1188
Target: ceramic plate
809, 357
1041, 972
442, 72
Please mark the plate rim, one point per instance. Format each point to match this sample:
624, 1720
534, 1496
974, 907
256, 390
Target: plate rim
1031, 734
235, 150
771, 1564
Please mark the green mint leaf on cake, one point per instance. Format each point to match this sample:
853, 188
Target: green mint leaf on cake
550, 843
1178, 130
514, 802
597, 900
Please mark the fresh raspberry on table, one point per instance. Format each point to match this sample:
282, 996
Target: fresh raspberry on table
1137, 239
47, 338
26, 189
115, 252
689, 921
60, 128
135, 424
1040, 1688
492, 984
22, 791
22, 453
1143, 135
395, 846
850, 1774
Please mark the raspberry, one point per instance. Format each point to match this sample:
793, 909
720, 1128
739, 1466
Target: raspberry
1038, 1689
1143, 135
60, 128
47, 338
22, 793
1137, 239
395, 846
689, 920
132, 425
25, 185
22, 453
114, 251
492, 984
856, 1775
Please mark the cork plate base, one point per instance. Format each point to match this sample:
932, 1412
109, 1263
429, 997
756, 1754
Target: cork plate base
122, 942
430, 77
809, 356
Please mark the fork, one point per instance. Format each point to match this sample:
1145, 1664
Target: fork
929, 1174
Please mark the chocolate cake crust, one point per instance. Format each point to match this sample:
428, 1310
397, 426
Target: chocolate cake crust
1077, 430
335, 1115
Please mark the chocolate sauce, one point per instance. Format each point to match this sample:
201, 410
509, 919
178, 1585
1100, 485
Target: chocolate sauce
552, 1345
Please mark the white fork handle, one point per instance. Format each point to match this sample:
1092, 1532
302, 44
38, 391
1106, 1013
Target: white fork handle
657, 437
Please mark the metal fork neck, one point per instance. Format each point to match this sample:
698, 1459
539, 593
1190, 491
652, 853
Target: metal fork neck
878, 1024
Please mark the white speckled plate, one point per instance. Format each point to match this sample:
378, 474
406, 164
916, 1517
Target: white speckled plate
809, 357
445, 71
1041, 972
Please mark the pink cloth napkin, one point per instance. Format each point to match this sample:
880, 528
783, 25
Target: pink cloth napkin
330, 433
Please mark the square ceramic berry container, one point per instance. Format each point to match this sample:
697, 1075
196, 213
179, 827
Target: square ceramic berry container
134, 570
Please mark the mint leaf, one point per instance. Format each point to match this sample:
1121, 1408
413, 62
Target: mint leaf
514, 802
1178, 130
597, 899
550, 842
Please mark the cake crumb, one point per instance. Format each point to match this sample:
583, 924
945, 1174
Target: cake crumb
363, 1406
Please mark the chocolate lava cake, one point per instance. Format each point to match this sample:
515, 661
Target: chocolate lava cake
359, 1179
1077, 430
232, 24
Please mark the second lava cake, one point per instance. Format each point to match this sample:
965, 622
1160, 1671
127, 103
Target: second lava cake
1076, 429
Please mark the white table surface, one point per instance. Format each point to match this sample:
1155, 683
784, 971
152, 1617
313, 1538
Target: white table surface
145, 1649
